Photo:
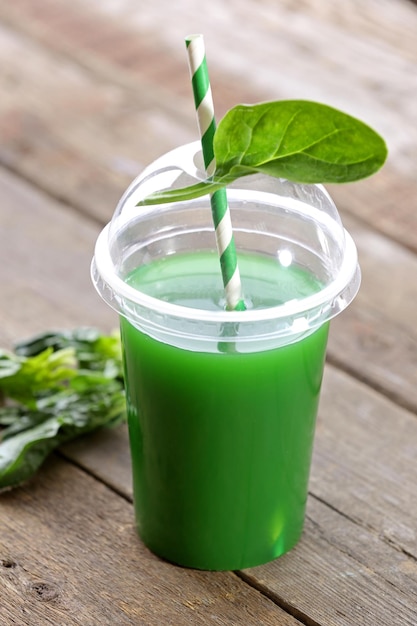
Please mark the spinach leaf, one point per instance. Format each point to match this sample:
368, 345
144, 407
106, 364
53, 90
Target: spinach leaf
302, 141
23, 378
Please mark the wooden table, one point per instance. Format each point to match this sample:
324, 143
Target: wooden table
89, 93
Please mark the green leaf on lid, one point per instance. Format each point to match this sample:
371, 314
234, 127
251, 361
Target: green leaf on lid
300, 140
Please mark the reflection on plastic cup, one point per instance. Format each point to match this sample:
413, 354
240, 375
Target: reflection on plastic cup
222, 404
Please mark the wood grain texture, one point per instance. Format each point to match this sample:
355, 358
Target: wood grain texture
107, 448
69, 556
365, 459
120, 92
79, 137
376, 337
45, 257
349, 42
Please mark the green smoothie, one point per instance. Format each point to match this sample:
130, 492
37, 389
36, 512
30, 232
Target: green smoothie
221, 441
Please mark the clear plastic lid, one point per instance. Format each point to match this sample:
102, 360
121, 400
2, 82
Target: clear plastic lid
293, 223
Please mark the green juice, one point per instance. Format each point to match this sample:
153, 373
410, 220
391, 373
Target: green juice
221, 441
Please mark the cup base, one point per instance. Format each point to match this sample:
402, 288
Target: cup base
219, 564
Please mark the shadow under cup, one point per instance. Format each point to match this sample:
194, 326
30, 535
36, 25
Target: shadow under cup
222, 404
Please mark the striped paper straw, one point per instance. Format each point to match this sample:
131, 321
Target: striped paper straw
220, 210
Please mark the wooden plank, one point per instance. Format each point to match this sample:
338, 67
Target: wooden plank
375, 354
387, 202
106, 455
45, 256
376, 337
80, 138
365, 460
70, 556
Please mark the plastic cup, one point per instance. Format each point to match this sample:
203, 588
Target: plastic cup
222, 404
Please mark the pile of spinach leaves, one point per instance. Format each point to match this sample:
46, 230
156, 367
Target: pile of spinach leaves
53, 388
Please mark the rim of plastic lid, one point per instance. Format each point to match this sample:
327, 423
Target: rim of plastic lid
347, 282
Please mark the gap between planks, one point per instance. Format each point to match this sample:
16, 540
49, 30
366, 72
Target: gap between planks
299, 615
398, 399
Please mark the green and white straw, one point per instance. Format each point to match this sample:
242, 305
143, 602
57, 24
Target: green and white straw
219, 207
